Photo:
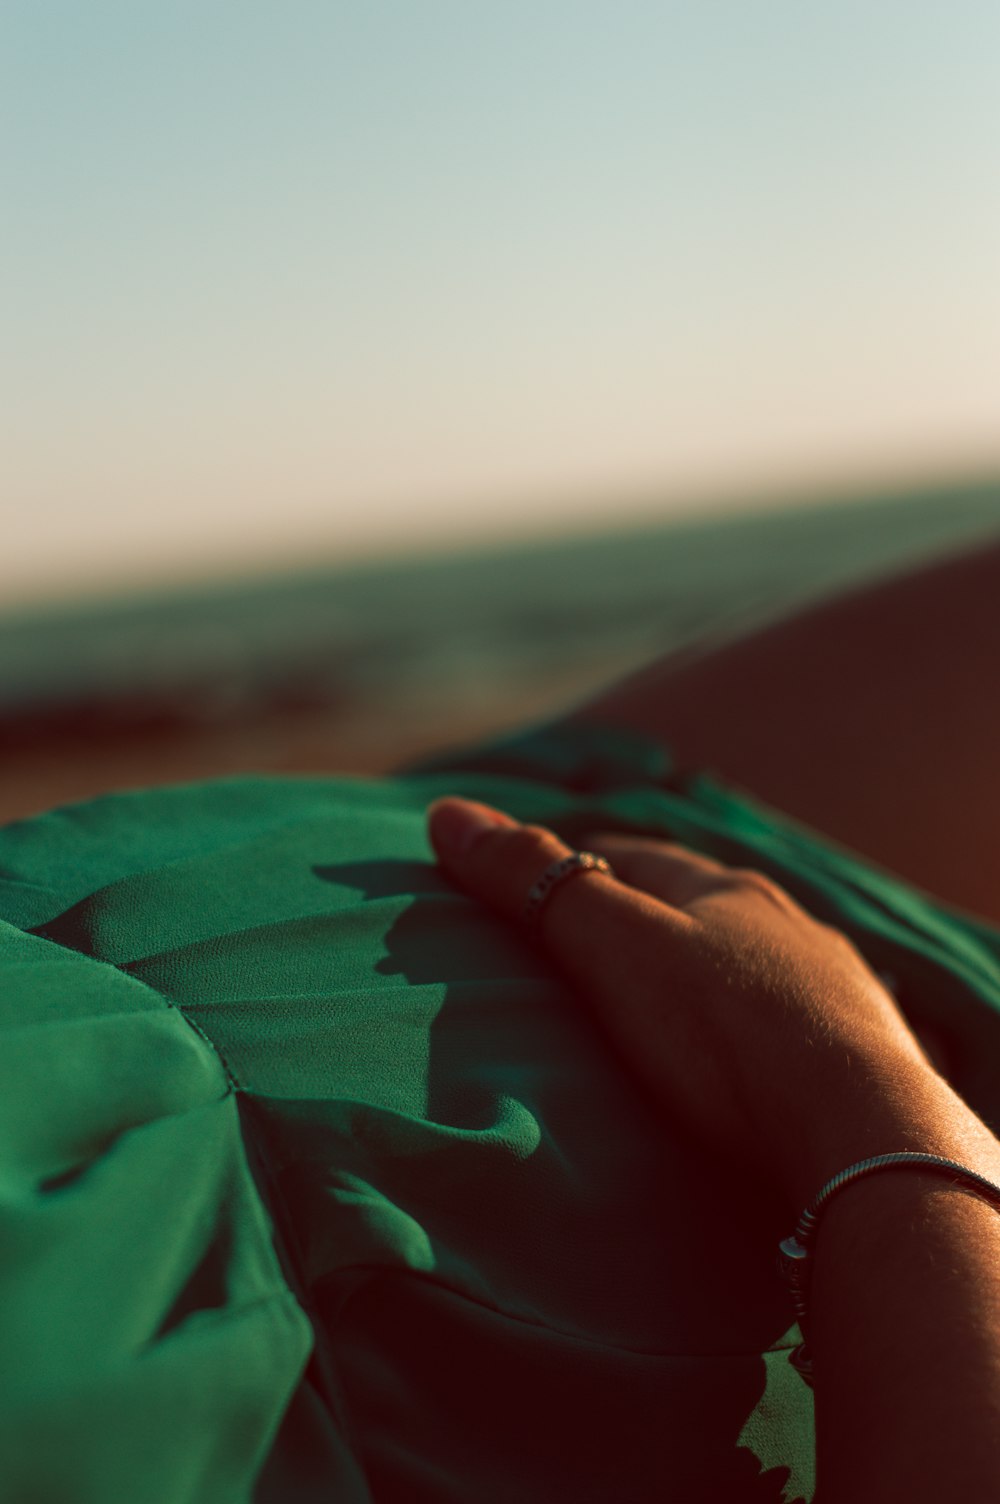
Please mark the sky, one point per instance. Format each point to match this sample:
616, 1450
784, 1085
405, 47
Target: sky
301, 280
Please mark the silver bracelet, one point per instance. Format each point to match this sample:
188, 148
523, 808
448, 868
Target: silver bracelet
794, 1253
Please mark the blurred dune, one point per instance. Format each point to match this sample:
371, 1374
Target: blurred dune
358, 670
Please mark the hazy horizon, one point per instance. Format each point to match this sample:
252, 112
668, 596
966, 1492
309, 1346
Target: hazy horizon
642, 510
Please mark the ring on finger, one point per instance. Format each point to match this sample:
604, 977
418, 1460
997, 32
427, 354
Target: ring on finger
559, 872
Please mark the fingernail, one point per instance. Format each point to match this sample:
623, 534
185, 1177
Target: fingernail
457, 824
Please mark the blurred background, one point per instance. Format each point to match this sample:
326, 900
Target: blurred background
376, 376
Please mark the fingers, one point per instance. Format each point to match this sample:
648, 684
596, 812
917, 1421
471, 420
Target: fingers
665, 869
494, 857
585, 922
681, 877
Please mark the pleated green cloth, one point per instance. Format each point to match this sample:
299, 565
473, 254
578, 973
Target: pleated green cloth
317, 1183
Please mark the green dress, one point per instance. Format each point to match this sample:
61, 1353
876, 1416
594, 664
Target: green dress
317, 1183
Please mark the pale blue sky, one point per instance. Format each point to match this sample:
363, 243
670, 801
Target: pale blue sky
284, 279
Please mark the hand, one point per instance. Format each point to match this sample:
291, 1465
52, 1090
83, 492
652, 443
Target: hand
759, 1030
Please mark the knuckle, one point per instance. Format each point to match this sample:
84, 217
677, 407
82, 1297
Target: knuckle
842, 941
759, 882
836, 940
693, 858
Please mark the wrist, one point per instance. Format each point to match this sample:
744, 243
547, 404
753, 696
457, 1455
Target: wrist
916, 1111
903, 1329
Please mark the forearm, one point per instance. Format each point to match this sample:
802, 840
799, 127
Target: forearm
852, 714
905, 1334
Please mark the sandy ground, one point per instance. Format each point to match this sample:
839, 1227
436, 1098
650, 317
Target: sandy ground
450, 653
48, 772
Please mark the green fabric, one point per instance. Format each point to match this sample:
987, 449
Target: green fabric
316, 1183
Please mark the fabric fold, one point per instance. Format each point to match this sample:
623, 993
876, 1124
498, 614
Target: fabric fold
316, 1180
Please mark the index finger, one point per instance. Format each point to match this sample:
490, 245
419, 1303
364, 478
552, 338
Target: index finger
591, 923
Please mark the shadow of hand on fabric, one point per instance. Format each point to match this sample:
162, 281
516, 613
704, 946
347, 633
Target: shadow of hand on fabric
507, 1043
